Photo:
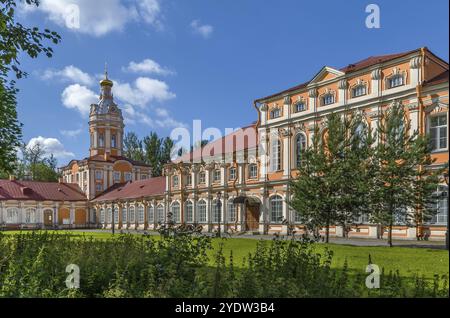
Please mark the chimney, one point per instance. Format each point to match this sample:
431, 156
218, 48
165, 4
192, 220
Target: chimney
12, 177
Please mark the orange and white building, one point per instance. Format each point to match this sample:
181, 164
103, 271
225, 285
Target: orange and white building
252, 168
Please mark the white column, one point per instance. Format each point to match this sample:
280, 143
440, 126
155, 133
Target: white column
286, 134
72, 215
263, 109
313, 99
376, 82
105, 178
414, 117
342, 96
415, 70
262, 154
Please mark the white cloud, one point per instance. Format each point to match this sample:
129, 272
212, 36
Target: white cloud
69, 73
143, 91
147, 66
99, 17
205, 30
51, 146
78, 97
71, 133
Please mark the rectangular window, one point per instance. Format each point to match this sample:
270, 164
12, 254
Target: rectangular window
300, 107
98, 174
359, 91
232, 174
116, 176
128, 176
144, 177
441, 207
275, 113
99, 187
438, 132
216, 176
202, 178
215, 212
189, 213
328, 99
253, 171
231, 212
175, 181
275, 155
189, 180
395, 81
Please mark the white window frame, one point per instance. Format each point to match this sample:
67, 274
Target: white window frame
276, 217
202, 211
438, 132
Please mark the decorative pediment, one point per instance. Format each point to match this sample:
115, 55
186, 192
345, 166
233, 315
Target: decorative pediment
437, 107
326, 73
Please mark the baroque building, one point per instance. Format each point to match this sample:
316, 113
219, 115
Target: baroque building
106, 164
241, 181
249, 171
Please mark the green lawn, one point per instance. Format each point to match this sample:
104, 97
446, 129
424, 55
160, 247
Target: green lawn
408, 261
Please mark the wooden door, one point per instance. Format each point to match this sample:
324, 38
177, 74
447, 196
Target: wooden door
48, 218
252, 217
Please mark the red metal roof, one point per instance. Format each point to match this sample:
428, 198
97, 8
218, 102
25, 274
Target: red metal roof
225, 145
40, 191
134, 190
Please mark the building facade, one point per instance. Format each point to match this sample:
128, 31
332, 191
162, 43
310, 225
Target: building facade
251, 178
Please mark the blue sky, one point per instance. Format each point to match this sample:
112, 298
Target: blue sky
200, 59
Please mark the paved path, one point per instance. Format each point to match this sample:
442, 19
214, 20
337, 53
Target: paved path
333, 240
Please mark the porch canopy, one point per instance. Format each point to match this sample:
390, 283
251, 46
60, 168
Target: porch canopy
245, 199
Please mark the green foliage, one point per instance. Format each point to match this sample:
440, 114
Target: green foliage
14, 40
33, 265
152, 150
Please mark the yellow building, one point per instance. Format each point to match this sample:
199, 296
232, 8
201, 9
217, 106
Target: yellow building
106, 164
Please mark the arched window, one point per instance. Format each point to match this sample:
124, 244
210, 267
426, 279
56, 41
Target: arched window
176, 217
113, 141
275, 162
231, 211
150, 214
132, 215
124, 214
216, 211
202, 211
440, 206
360, 135
109, 215
300, 146
116, 215
101, 140
276, 209
12, 215
141, 214
30, 216
160, 213
189, 212
102, 216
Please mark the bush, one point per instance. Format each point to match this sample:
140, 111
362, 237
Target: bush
34, 265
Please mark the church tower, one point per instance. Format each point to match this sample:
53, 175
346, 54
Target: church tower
106, 123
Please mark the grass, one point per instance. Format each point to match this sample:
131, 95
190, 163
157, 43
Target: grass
409, 261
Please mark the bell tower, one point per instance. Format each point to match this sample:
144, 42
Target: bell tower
106, 123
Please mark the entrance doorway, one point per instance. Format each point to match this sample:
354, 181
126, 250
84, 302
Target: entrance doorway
252, 217
48, 218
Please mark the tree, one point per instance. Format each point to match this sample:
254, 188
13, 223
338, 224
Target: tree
15, 39
404, 187
133, 147
166, 152
35, 165
333, 176
152, 146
